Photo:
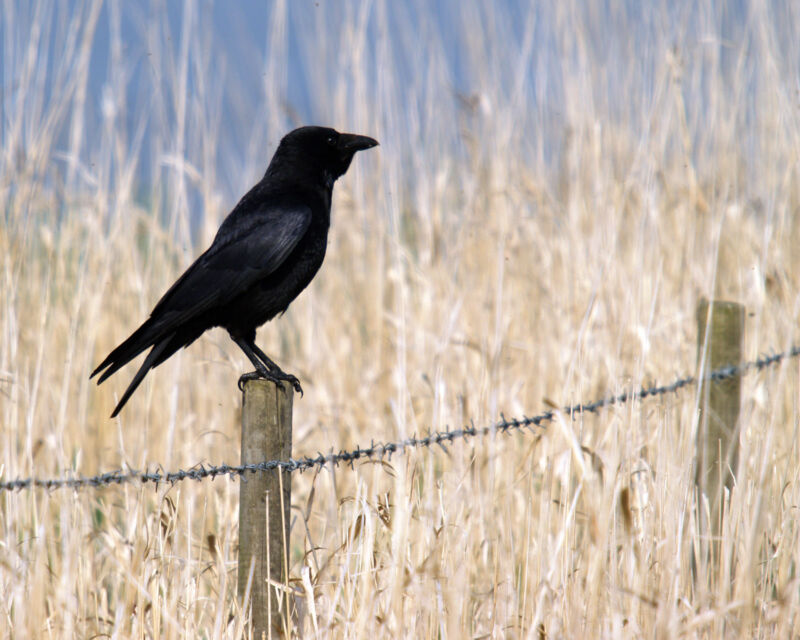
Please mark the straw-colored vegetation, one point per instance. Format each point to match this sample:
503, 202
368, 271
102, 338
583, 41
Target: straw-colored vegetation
495, 254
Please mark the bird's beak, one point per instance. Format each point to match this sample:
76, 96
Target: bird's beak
352, 142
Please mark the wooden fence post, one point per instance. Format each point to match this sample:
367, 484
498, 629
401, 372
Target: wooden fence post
718, 431
263, 514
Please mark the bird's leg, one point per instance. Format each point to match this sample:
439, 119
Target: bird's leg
275, 370
260, 372
264, 358
265, 368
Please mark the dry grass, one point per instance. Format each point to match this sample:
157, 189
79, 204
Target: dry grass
489, 272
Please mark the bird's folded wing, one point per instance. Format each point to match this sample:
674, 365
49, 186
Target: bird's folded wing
249, 249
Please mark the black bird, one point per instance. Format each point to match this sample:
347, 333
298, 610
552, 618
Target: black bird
265, 253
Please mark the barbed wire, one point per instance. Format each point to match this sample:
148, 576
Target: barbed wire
387, 450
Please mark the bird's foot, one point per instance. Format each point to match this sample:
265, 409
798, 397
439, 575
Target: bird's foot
245, 377
276, 376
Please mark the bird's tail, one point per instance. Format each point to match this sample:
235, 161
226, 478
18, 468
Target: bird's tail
153, 358
146, 336
143, 338
163, 342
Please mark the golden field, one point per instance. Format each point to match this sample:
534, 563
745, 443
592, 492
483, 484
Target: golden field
474, 267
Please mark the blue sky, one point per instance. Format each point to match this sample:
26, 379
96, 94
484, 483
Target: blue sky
255, 69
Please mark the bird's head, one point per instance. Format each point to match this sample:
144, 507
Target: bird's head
323, 148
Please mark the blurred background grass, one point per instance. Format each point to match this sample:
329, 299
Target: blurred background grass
556, 187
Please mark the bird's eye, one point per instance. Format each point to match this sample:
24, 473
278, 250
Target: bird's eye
331, 141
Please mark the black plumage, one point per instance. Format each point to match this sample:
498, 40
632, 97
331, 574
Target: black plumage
265, 253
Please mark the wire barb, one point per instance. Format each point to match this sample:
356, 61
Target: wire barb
386, 450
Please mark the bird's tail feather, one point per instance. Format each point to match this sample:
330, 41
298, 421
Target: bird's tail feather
148, 335
149, 362
143, 338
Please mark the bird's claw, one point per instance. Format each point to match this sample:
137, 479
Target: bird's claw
245, 377
274, 376
279, 376
292, 380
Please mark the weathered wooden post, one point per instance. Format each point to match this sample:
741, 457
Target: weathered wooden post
263, 514
720, 336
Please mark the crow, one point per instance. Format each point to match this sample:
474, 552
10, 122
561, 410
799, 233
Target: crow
265, 253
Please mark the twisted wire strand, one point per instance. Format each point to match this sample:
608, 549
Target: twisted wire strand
379, 451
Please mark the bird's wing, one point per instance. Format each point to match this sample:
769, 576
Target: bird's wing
247, 249
251, 244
